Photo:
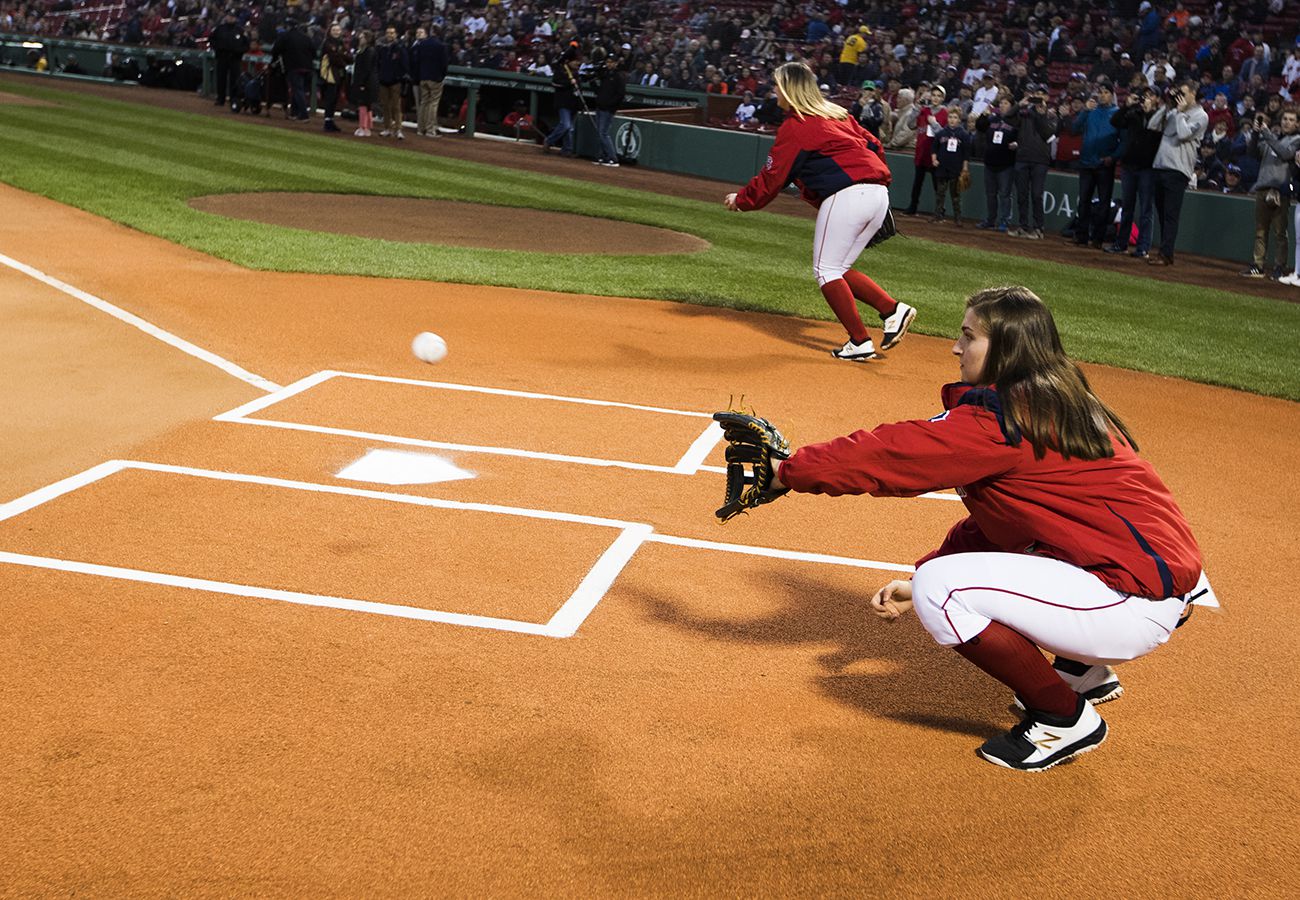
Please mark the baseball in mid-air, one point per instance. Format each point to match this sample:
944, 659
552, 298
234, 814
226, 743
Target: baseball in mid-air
428, 347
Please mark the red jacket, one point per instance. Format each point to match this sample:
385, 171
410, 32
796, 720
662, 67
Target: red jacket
924, 142
1113, 516
821, 156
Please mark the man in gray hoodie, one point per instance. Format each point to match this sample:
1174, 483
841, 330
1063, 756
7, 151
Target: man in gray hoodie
1272, 191
1182, 123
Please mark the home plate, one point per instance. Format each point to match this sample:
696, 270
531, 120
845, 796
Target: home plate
403, 467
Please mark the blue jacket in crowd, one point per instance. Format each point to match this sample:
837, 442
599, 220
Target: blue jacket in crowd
1100, 138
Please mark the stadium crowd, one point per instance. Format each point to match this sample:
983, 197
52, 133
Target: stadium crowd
1165, 96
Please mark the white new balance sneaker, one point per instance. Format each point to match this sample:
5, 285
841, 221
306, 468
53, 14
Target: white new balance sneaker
1293, 279
1096, 684
896, 326
856, 352
1043, 740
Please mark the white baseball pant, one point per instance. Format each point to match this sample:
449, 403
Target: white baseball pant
1061, 608
845, 222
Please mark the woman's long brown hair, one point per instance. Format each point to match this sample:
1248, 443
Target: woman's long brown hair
1044, 396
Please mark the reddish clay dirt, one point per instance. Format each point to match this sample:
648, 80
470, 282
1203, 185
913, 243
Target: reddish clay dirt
448, 222
720, 723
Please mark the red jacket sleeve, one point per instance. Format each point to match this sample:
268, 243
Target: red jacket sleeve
776, 172
955, 449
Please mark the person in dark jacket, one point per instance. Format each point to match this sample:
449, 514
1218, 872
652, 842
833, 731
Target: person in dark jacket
333, 71
1138, 146
1035, 127
429, 69
950, 155
999, 165
229, 44
365, 82
1096, 165
393, 65
295, 55
565, 82
611, 89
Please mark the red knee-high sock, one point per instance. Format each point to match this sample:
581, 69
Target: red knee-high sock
840, 297
870, 293
1012, 659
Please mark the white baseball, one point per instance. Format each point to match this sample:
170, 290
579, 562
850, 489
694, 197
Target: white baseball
428, 347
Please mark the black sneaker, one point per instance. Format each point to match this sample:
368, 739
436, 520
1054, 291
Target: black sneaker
1043, 740
1112, 248
1276, 274
1253, 272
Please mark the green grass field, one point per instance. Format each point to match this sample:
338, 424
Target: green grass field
139, 165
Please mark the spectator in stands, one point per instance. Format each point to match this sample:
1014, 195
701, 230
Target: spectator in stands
394, 68
1105, 67
1137, 151
950, 157
365, 81
902, 134
871, 113
611, 89
770, 112
1209, 171
986, 97
1035, 129
1096, 165
332, 73
854, 46
429, 63
1182, 123
1221, 113
1000, 136
295, 55
746, 109
1233, 184
1276, 151
929, 119
229, 44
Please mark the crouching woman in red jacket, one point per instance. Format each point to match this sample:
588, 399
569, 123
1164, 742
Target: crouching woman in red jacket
1072, 542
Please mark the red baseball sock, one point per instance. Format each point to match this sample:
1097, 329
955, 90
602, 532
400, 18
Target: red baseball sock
840, 298
1012, 659
870, 293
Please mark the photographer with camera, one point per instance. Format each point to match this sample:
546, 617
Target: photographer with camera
1272, 191
1036, 126
1182, 124
1137, 152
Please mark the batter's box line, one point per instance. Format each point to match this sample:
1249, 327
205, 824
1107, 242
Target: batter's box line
690, 463
564, 623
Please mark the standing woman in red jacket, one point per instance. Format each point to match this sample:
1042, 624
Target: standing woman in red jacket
839, 168
1072, 542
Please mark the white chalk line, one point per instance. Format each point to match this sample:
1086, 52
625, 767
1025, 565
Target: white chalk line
148, 328
564, 623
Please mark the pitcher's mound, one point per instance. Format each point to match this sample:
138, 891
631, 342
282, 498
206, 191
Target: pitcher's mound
452, 223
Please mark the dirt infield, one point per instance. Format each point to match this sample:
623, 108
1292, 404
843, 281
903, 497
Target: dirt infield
7, 99
249, 675
448, 222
